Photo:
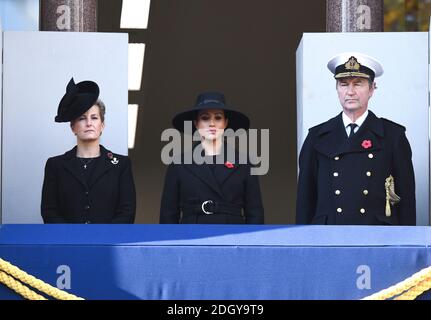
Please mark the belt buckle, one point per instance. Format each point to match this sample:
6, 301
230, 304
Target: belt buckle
203, 207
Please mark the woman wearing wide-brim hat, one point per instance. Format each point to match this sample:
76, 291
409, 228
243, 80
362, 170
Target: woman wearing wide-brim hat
89, 183
217, 191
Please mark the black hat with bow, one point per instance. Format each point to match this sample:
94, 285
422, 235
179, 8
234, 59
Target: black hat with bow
77, 100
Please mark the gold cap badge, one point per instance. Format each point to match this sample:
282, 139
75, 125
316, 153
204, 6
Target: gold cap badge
352, 64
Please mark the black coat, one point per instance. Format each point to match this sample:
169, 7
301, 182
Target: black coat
109, 196
342, 182
235, 195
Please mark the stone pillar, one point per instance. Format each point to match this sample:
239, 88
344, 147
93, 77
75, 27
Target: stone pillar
354, 16
68, 15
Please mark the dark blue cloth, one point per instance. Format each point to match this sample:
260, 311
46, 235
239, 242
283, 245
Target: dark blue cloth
217, 261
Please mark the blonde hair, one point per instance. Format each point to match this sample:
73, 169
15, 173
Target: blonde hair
102, 108
102, 111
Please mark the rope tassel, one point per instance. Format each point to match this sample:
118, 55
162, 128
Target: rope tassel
408, 289
391, 197
19, 288
10, 274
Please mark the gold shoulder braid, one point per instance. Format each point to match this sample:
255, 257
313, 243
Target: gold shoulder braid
391, 197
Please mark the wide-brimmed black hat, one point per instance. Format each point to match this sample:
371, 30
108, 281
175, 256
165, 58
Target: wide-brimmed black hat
212, 100
77, 100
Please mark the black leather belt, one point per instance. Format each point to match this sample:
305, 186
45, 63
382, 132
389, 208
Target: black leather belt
210, 207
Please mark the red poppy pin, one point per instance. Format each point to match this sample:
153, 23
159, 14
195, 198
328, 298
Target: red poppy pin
228, 164
110, 155
366, 144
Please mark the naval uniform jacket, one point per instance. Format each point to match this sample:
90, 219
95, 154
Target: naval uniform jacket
109, 196
232, 195
342, 180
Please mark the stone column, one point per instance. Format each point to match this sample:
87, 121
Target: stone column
354, 16
68, 15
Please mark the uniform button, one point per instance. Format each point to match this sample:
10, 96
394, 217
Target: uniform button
368, 173
339, 210
362, 210
337, 158
87, 207
365, 192
337, 192
336, 174
87, 222
371, 156
86, 193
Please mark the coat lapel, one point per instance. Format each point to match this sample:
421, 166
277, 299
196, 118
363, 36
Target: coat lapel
331, 137
203, 172
371, 130
73, 166
223, 171
103, 165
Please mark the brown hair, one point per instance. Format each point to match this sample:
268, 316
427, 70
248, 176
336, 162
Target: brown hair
371, 83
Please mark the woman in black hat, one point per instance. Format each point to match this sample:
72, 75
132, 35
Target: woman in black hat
88, 184
218, 191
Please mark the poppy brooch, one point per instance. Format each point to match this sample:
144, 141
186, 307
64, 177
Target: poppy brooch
366, 144
228, 164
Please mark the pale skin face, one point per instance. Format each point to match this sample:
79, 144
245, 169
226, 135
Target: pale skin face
89, 126
211, 124
354, 94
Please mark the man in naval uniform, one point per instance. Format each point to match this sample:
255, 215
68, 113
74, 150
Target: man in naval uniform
356, 168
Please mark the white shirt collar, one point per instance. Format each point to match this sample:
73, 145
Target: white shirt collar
359, 121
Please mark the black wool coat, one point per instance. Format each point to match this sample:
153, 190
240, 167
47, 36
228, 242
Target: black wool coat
234, 193
342, 181
109, 196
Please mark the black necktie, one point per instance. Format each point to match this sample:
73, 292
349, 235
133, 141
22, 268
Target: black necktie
352, 129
